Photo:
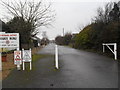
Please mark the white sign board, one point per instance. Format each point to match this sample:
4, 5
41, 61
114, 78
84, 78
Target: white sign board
17, 58
26, 54
9, 40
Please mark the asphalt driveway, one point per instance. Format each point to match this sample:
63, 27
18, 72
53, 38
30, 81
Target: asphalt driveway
78, 69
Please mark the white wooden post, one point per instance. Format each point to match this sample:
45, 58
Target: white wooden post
56, 57
115, 51
31, 60
22, 59
103, 48
23, 66
18, 66
30, 66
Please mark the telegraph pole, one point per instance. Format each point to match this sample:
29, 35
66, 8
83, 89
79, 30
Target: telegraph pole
63, 31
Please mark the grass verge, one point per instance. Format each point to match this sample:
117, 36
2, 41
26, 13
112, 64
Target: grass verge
36, 57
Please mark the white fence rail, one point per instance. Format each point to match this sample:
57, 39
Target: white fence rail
113, 51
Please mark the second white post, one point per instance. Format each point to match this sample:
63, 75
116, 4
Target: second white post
56, 57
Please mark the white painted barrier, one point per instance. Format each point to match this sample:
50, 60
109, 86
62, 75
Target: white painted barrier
113, 51
56, 57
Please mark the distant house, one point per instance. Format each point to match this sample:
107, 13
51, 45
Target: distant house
36, 41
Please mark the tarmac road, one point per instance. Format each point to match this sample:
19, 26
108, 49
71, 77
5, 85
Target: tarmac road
78, 69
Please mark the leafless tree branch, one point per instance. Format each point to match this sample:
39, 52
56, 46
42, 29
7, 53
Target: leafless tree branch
36, 13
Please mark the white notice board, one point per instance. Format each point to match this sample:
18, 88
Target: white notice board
26, 54
9, 40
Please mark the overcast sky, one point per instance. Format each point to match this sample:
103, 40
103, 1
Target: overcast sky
72, 14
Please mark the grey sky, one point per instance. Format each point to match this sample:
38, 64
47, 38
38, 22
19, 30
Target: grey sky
71, 14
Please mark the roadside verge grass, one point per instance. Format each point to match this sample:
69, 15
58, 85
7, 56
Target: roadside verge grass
35, 57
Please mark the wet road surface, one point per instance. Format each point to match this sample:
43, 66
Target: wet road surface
78, 69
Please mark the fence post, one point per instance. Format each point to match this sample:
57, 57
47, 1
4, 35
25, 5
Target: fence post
23, 60
103, 48
31, 60
115, 51
56, 57
18, 66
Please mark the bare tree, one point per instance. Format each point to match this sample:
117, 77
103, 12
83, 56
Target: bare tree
36, 13
103, 13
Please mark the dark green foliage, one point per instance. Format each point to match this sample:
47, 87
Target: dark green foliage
35, 43
82, 40
19, 25
115, 13
65, 40
59, 40
4, 26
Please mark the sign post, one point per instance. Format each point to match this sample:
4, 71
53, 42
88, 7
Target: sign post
9, 40
27, 57
17, 59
